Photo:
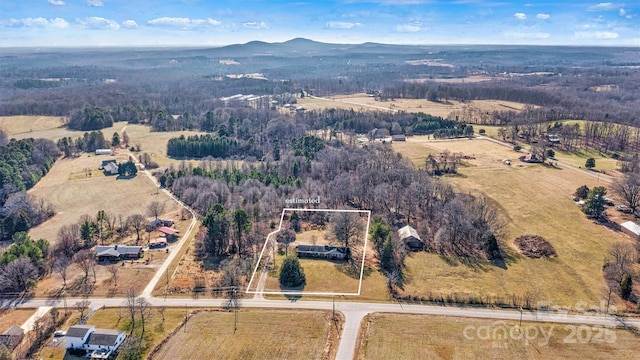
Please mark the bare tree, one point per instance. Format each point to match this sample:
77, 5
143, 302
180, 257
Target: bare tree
137, 222
61, 266
82, 306
18, 276
113, 270
85, 260
627, 188
144, 308
346, 227
155, 209
623, 255
131, 306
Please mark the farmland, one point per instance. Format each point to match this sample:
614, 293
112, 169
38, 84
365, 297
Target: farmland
282, 334
76, 187
362, 101
396, 336
523, 193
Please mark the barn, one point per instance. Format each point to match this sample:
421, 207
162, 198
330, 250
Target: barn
410, 237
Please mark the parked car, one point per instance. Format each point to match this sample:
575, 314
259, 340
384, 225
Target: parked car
59, 333
623, 208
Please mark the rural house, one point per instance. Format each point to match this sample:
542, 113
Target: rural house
12, 337
632, 229
77, 336
110, 168
154, 224
322, 251
410, 237
100, 342
117, 252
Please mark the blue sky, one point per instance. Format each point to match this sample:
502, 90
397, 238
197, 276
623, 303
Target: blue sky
213, 23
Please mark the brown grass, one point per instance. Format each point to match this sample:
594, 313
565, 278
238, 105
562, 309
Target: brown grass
10, 317
364, 102
74, 195
533, 199
28, 124
275, 334
155, 143
403, 336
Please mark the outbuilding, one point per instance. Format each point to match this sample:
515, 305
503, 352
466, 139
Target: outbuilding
632, 229
410, 237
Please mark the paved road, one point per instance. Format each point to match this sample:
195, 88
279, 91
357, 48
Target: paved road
354, 312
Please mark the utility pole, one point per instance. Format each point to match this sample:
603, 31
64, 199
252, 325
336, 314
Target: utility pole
185, 317
235, 310
334, 307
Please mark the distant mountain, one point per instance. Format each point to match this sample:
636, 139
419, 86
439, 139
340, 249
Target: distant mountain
306, 47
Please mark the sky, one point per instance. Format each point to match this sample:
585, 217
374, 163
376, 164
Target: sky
204, 23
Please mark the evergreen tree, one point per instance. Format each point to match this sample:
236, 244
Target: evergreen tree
291, 272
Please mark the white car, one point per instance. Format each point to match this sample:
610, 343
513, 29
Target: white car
59, 333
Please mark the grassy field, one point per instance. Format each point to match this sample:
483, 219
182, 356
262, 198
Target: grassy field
400, 336
362, 101
74, 192
534, 199
25, 124
273, 334
155, 143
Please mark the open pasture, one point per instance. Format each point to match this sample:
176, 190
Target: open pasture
400, 336
533, 199
275, 334
364, 102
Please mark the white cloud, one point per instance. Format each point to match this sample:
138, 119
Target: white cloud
598, 35
95, 3
341, 25
520, 16
99, 23
57, 23
130, 24
410, 27
56, 2
543, 16
527, 35
603, 7
184, 23
256, 25
622, 12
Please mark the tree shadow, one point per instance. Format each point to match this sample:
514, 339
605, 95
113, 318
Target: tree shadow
290, 292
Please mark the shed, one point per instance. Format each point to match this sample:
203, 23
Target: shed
168, 231
410, 237
398, 138
632, 229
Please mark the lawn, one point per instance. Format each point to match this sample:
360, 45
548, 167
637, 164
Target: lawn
76, 187
260, 334
403, 336
534, 200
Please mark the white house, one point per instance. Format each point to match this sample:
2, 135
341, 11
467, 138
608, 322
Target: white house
105, 339
77, 336
101, 341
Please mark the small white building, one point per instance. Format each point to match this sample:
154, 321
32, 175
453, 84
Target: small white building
104, 152
632, 229
106, 339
